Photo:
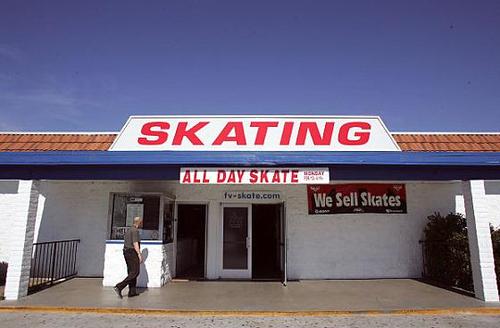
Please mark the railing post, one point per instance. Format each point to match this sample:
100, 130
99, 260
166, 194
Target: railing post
424, 257
424, 264
53, 263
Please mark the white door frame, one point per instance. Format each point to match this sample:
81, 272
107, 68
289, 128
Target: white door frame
231, 273
284, 250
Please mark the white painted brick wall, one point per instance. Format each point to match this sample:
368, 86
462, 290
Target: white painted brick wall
492, 202
154, 271
79, 209
21, 226
481, 251
11, 203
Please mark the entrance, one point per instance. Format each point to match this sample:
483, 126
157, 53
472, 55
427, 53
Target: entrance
253, 242
266, 241
190, 256
236, 241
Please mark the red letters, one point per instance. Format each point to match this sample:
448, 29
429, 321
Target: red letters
262, 127
263, 176
198, 175
221, 176
196, 179
271, 134
187, 177
231, 177
239, 134
285, 172
362, 137
286, 134
182, 132
240, 174
254, 177
312, 128
147, 130
205, 179
276, 177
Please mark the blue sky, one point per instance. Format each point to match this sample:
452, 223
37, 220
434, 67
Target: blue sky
88, 65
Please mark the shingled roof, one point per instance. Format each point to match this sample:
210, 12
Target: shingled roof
458, 142
427, 142
18, 142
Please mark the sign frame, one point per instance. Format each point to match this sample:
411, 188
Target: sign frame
357, 198
379, 139
254, 175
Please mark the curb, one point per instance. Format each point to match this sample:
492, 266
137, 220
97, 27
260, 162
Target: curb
223, 313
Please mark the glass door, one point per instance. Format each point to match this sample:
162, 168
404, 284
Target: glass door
236, 241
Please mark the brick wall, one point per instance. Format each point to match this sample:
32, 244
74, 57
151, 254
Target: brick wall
79, 209
20, 223
154, 271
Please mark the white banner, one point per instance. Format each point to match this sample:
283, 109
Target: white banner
254, 133
251, 175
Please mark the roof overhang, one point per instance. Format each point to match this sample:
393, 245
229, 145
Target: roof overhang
165, 165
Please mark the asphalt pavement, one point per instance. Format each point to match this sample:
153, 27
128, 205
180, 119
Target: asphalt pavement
52, 320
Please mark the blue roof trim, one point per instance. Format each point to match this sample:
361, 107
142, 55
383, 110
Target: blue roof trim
379, 166
177, 158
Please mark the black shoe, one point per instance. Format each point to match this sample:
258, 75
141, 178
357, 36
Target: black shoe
133, 294
118, 292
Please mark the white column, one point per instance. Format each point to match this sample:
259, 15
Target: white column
22, 230
481, 250
213, 243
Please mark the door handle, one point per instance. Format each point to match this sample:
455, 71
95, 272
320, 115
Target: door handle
248, 242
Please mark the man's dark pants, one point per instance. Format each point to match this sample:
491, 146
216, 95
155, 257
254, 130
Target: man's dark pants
133, 266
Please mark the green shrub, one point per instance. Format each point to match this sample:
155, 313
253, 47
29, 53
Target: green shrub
446, 251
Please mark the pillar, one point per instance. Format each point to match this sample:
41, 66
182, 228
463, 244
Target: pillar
481, 249
22, 231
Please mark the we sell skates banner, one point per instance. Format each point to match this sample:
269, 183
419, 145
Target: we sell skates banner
356, 198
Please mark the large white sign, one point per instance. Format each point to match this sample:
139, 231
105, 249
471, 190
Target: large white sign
254, 133
253, 175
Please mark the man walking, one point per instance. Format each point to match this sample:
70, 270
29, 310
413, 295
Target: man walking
133, 258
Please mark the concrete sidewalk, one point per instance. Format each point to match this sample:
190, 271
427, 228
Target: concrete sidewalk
336, 295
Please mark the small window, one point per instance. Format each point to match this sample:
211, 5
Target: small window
127, 207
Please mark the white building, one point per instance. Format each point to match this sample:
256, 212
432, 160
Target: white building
60, 186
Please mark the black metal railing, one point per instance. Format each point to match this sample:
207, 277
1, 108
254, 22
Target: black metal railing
53, 261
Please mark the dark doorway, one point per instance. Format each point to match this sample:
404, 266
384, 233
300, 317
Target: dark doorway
266, 251
190, 262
